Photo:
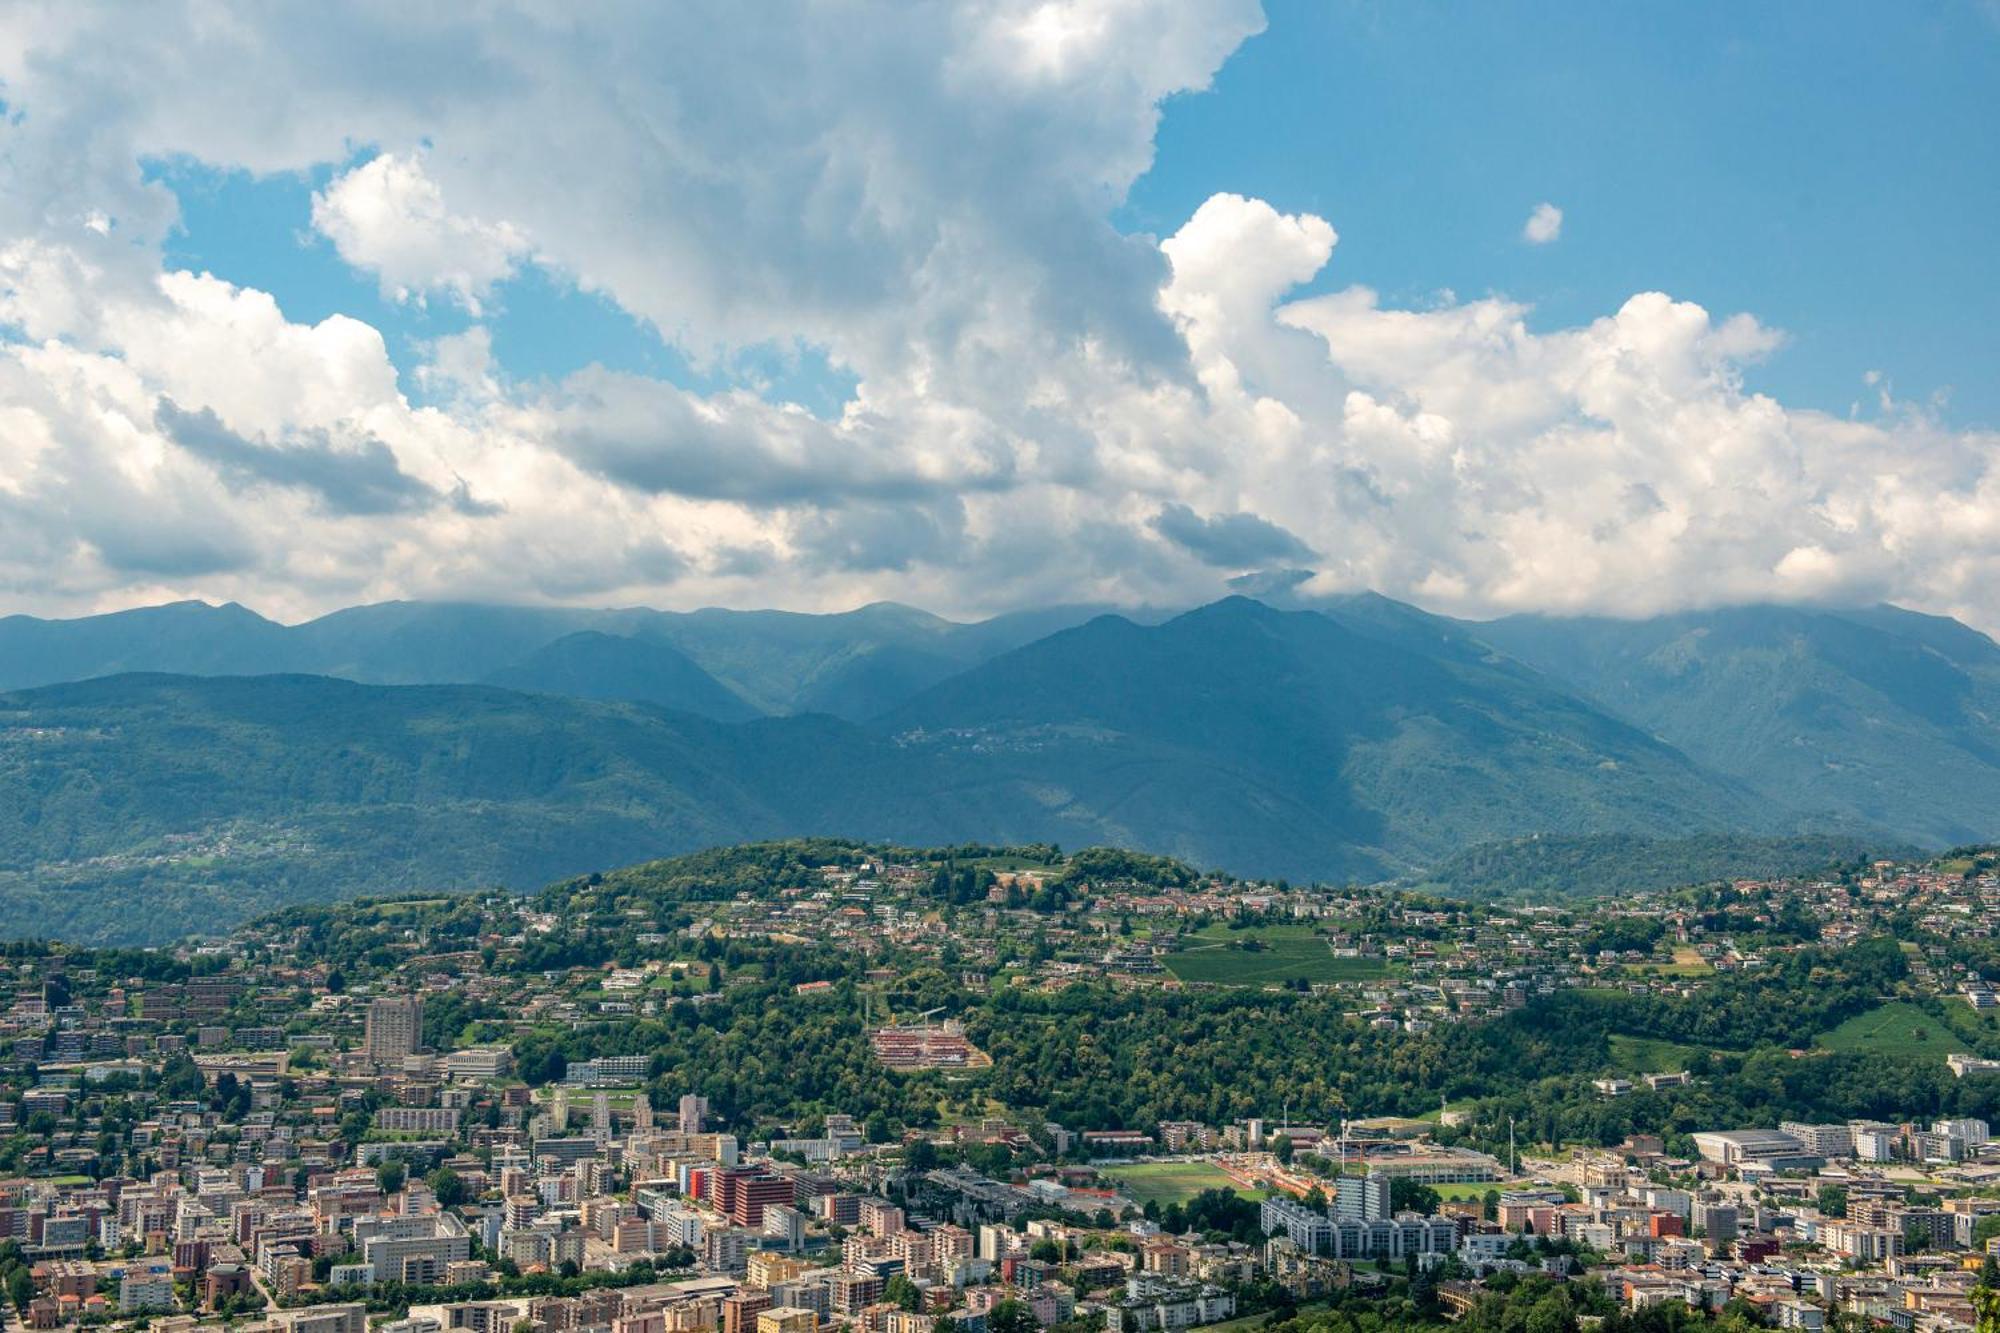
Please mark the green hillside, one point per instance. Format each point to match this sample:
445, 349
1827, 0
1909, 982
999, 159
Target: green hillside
1890, 1029
1554, 866
1884, 718
1367, 741
593, 665
1237, 736
142, 807
1289, 744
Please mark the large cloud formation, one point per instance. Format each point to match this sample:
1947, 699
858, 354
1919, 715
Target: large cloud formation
1044, 409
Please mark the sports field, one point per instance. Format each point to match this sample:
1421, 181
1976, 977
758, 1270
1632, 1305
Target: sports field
1458, 1191
1171, 1182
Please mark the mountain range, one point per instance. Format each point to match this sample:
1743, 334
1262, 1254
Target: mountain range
180, 767
1887, 718
853, 664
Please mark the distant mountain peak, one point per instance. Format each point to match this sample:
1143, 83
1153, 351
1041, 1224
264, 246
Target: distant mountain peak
1235, 608
592, 664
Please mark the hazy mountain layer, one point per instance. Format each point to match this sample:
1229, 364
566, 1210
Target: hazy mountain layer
1881, 716
853, 664
591, 664
1273, 743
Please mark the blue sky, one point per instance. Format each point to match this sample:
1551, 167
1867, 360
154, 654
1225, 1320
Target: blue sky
256, 231
1832, 168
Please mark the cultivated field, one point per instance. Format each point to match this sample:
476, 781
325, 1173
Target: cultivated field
1894, 1028
1649, 1055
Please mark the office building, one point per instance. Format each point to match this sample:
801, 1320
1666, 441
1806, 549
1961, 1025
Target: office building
1361, 1198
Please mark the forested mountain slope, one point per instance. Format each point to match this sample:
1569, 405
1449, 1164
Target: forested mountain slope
1882, 716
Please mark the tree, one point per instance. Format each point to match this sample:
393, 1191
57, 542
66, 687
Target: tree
1046, 1251
180, 1078
1281, 1148
903, 1294
447, 1186
1011, 1317
1411, 1196
391, 1175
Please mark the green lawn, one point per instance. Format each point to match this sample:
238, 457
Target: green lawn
1649, 1055
1288, 953
1894, 1028
1171, 1182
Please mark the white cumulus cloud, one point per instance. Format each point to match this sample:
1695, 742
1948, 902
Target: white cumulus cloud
388, 217
1044, 409
1544, 225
